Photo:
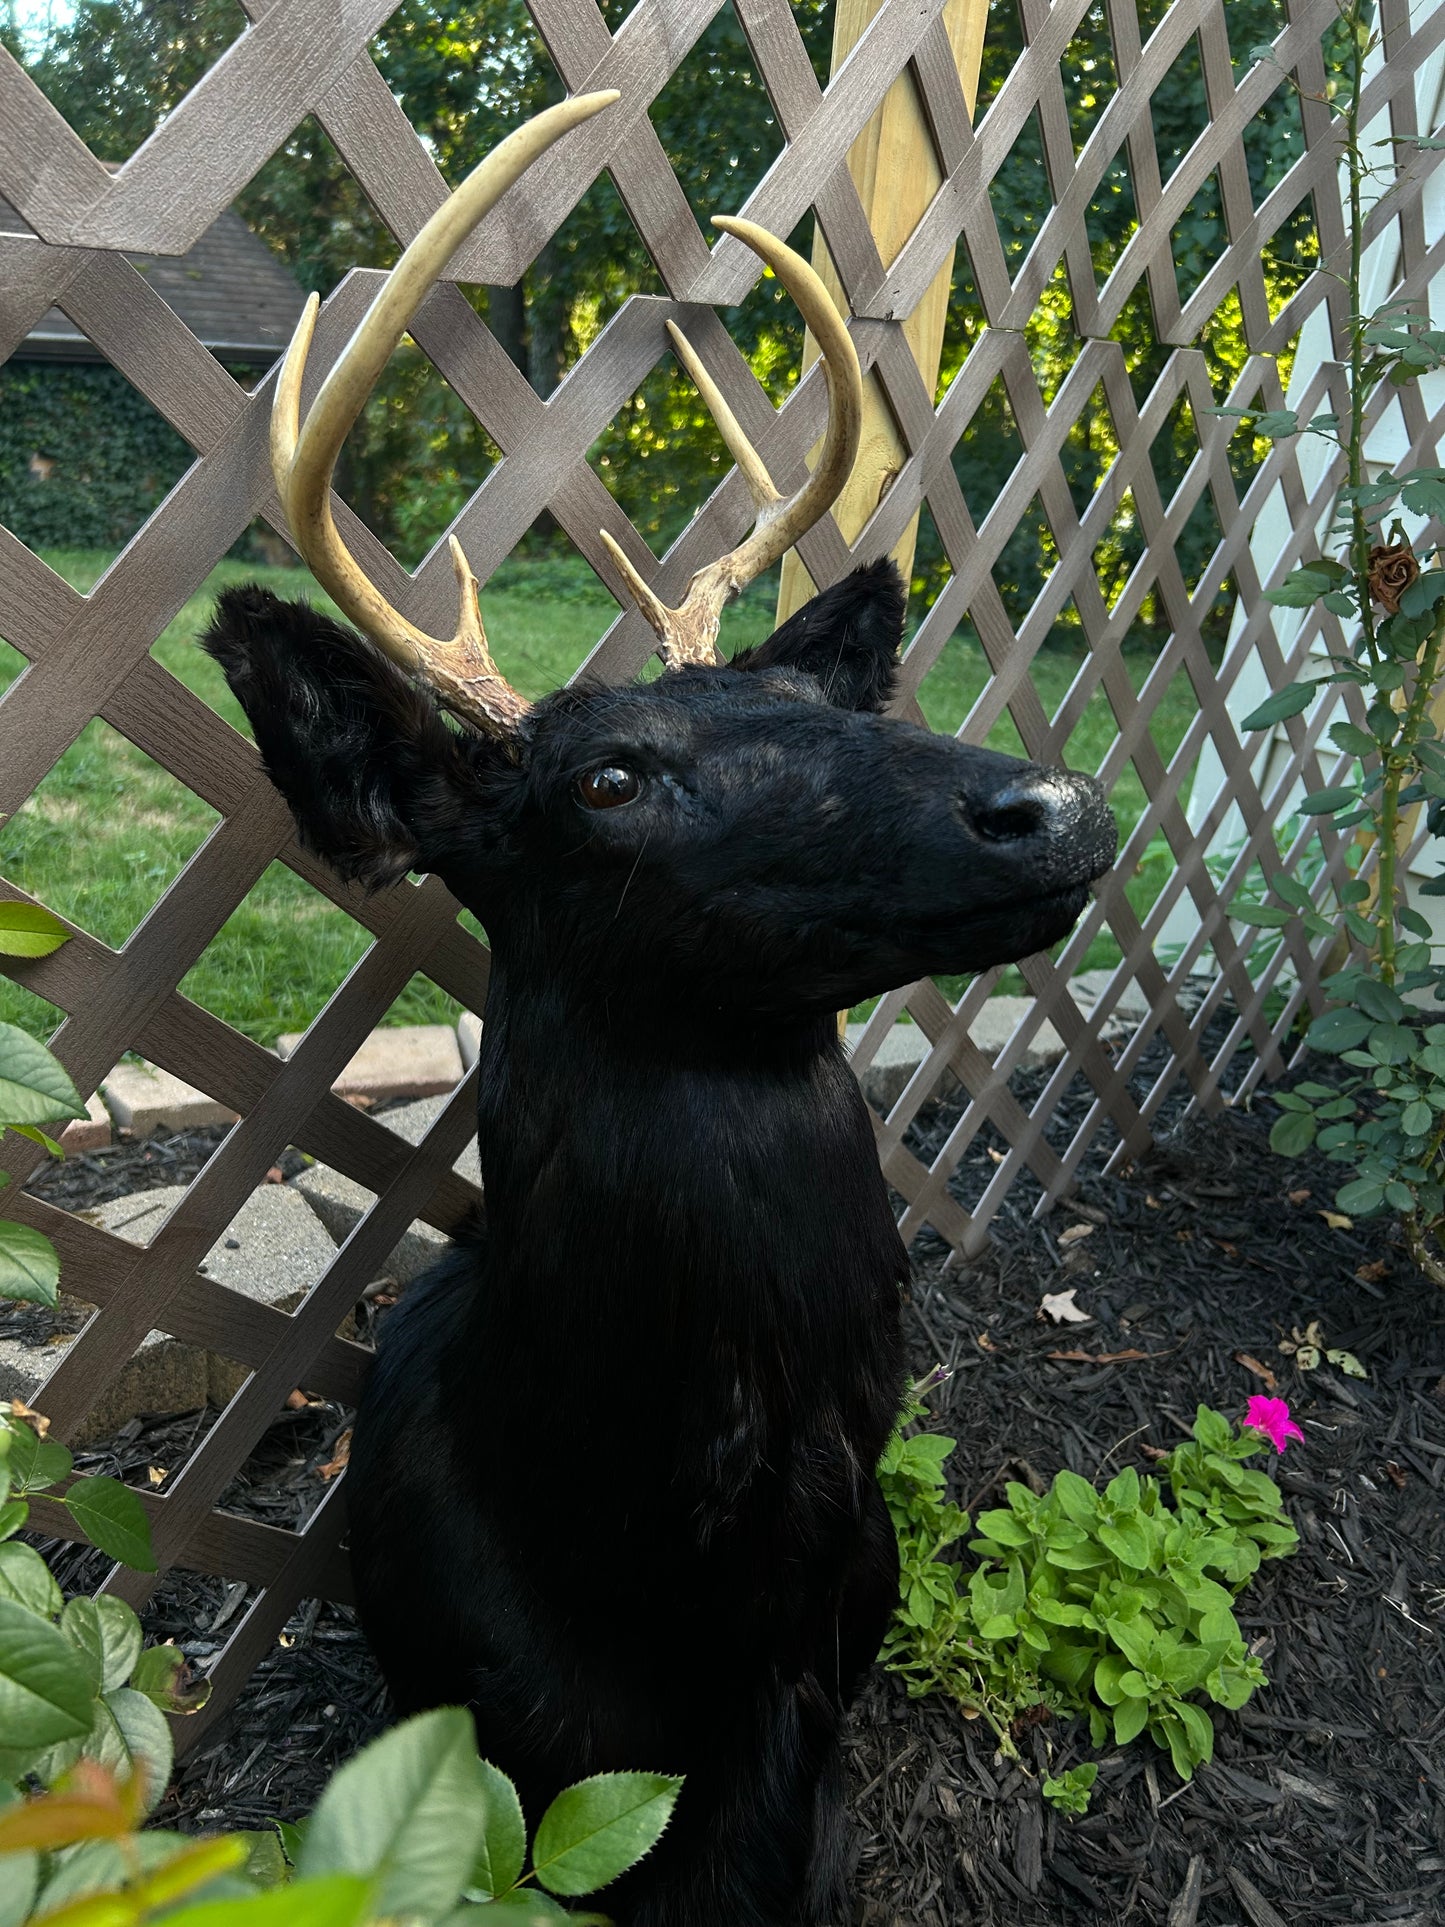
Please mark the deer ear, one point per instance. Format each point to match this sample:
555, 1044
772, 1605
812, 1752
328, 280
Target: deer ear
847, 638
378, 782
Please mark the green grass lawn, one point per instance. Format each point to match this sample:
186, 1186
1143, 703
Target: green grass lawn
109, 829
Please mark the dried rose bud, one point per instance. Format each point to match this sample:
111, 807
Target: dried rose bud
1392, 569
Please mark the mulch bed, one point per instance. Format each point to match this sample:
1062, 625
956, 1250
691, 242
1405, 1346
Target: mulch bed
1326, 1799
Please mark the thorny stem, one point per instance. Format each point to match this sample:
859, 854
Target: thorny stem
1419, 1244
1399, 767
1360, 538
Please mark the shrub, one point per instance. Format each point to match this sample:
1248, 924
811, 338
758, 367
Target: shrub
1114, 1605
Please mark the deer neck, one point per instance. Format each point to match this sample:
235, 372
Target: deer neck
674, 1163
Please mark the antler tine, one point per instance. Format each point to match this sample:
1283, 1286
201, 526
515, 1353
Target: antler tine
750, 463
689, 634
303, 455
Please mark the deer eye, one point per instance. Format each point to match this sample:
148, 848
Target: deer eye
608, 788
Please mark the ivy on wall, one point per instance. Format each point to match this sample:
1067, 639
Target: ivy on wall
83, 458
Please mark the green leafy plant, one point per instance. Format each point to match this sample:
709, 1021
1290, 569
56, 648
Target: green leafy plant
416, 1830
1388, 1121
34, 1091
1115, 1605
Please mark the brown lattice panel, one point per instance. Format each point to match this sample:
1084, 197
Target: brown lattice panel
89, 655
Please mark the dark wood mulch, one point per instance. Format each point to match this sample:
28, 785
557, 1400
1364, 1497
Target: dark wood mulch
1326, 1800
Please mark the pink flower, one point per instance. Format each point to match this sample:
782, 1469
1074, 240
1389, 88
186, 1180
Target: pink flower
1271, 1417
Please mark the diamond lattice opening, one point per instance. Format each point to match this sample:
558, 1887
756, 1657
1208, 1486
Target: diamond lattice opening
1112, 218
1198, 238
1088, 75
1003, 44
1273, 142
545, 610
1020, 208
1052, 334
1178, 109
1090, 449
1027, 560
92, 457
579, 281
1291, 256
28, 1012
104, 835
1118, 553
931, 573
716, 122
278, 959
988, 452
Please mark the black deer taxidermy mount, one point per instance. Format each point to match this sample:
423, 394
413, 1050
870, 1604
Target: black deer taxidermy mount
612, 1483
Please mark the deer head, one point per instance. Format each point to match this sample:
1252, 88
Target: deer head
754, 833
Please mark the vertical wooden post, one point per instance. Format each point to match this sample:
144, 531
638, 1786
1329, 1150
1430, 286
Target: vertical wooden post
895, 165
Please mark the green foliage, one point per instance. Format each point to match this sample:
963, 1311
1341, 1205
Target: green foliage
1115, 1605
83, 457
73, 1679
34, 1091
1070, 1791
416, 1828
1386, 1123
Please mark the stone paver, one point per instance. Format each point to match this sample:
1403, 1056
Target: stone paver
143, 1099
413, 1121
88, 1133
469, 1037
1131, 1006
340, 1203
1000, 1018
405, 1060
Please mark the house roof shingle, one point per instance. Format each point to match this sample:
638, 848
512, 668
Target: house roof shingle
229, 290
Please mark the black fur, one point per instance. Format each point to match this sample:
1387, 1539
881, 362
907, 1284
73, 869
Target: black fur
612, 1483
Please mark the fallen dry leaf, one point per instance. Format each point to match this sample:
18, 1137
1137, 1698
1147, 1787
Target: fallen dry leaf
1299, 1197
1229, 1250
1374, 1273
1104, 1358
37, 1421
1075, 1232
1395, 1475
1337, 1221
1305, 1346
985, 1343
156, 1474
1348, 1364
1252, 1364
338, 1464
1060, 1306
1152, 1202
997, 1156
1155, 1452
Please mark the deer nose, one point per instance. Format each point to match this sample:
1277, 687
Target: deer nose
1035, 805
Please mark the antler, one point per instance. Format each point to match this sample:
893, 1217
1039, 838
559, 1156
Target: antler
689, 634
460, 669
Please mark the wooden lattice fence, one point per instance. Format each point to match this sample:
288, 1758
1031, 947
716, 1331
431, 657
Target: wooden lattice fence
89, 655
